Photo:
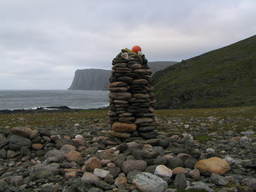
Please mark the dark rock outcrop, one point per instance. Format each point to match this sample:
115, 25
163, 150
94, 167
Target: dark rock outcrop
90, 79
97, 79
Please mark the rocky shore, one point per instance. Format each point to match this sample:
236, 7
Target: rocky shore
83, 157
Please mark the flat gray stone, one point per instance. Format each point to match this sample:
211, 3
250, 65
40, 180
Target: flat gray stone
147, 182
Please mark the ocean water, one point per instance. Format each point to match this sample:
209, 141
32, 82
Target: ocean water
29, 99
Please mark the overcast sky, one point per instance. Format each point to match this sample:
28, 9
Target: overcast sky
43, 42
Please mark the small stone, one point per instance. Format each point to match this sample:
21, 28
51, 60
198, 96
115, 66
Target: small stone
190, 162
119, 135
37, 146
109, 179
213, 165
143, 120
250, 182
70, 173
100, 172
147, 182
41, 171
196, 186
164, 171
210, 151
131, 165
73, 156
118, 84
16, 180
174, 162
79, 140
179, 170
123, 127
89, 178
11, 154
121, 181
218, 180
194, 174
54, 156
180, 181
3, 154
67, 148
94, 189
92, 163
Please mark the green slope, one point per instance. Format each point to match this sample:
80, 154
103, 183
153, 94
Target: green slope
220, 78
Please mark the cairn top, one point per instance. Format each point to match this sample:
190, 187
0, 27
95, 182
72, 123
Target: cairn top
136, 48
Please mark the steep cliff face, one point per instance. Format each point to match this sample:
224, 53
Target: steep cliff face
97, 79
90, 79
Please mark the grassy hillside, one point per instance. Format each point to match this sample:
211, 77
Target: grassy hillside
160, 65
220, 78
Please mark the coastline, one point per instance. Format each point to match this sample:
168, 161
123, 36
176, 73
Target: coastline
49, 109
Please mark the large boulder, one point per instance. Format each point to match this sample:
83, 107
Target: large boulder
213, 165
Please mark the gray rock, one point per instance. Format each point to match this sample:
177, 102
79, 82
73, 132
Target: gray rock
41, 171
16, 180
48, 187
17, 142
3, 154
200, 186
131, 175
218, 180
100, 172
90, 178
180, 181
171, 190
2, 139
94, 189
103, 185
54, 156
147, 182
190, 162
131, 165
175, 162
3, 185
250, 182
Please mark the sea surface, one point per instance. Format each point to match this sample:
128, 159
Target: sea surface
31, 99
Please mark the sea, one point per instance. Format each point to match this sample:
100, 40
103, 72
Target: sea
33, 99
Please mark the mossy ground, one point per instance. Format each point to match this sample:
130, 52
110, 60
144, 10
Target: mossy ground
218, 120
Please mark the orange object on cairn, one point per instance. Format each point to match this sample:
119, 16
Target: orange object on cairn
136, 48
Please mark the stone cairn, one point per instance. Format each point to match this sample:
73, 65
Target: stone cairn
131, 98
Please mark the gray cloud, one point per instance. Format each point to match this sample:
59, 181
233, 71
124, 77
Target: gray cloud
43, 42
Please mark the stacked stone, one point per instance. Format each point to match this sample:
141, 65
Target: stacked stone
131, 97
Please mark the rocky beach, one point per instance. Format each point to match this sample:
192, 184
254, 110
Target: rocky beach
195, 150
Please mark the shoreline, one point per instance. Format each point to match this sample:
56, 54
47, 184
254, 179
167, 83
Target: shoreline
48, 109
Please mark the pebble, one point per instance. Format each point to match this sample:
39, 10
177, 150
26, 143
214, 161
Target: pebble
162, 170
132, 165
100, 172
180, 181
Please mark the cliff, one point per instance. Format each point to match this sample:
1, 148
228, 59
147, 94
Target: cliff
97, 79
90, 79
